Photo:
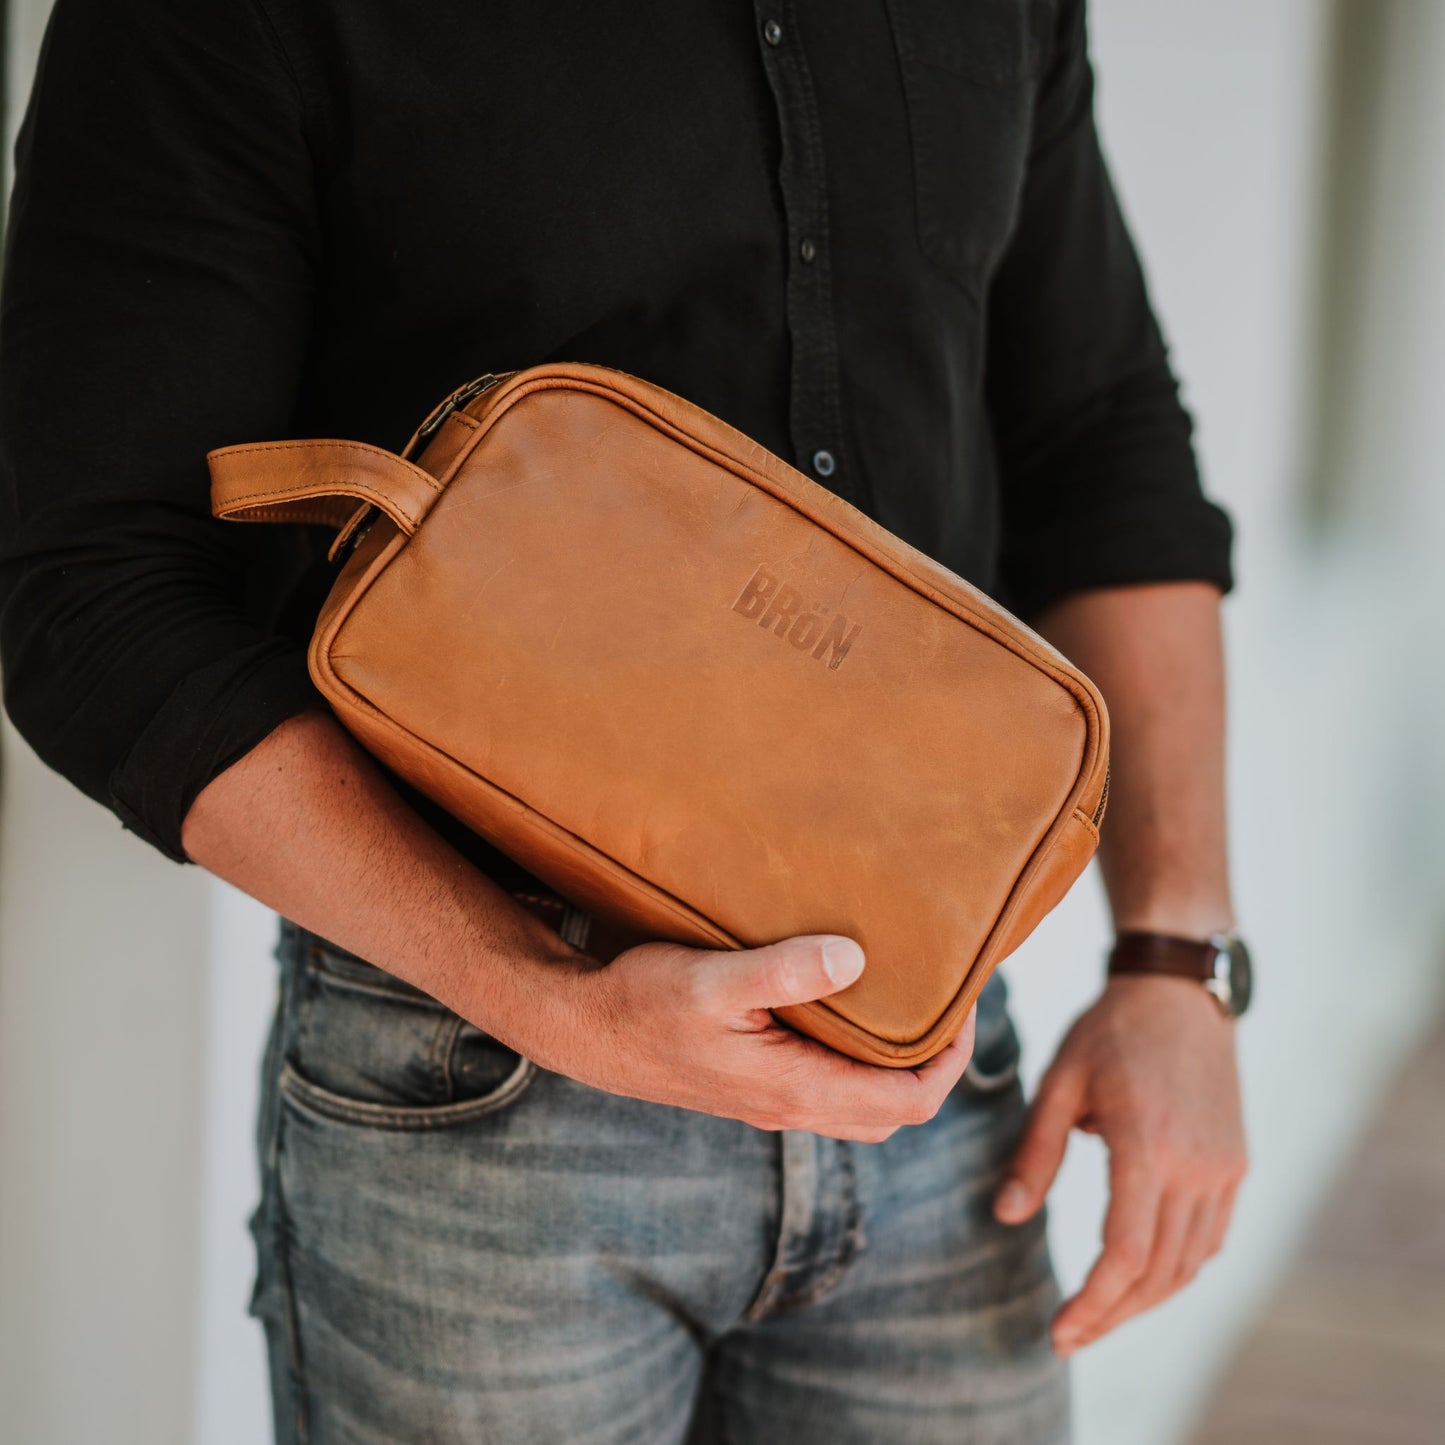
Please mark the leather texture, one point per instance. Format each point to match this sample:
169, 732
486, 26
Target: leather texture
699, 695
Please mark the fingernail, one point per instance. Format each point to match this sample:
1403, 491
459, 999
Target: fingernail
842, 960
1012, 1201
1066, 1341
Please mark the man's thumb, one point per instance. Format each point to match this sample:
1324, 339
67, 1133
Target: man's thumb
795, 970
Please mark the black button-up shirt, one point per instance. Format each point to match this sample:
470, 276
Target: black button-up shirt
877, 235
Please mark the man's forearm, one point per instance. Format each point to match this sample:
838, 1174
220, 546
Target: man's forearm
308, 824
1156, 654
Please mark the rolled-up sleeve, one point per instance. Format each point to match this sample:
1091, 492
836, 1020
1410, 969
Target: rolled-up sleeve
1099, 483
156, 302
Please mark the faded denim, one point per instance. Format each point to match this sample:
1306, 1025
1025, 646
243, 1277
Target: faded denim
455, 1245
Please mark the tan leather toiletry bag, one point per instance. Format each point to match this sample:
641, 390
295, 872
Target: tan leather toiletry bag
694, 691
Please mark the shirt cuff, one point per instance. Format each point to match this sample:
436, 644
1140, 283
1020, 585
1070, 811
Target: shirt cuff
1189, 545
213, 717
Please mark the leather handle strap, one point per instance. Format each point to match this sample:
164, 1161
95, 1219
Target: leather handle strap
318, 481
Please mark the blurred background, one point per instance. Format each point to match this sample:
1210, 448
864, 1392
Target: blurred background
1283, 165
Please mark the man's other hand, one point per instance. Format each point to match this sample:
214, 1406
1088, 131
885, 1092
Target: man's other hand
1150, 1067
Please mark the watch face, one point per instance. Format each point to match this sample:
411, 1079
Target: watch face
1241, 975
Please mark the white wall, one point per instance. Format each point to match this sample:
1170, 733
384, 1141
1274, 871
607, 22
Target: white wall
103, 950
127, 1066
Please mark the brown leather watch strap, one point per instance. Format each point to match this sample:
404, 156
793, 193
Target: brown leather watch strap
1140, 952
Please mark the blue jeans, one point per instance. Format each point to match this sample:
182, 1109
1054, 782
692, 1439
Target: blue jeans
455, 1245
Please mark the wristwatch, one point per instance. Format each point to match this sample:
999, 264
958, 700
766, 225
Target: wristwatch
1220, 962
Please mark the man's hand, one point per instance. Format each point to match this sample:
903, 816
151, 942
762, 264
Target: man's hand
1151, 1069
691, 1027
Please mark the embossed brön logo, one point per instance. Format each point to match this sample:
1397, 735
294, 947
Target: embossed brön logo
813, 628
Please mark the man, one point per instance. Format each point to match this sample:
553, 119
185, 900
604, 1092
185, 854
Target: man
511, 1193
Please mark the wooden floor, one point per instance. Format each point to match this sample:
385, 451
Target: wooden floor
1352, 1351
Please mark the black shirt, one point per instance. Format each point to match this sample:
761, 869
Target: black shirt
878, 237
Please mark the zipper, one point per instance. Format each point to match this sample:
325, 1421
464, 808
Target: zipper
350, 538
459, 398
1103, 796
347, 542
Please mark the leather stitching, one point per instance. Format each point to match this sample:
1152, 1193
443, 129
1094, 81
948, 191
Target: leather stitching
362, 489
342, 446
300, 512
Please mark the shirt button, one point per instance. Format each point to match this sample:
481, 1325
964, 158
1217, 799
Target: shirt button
809, 249
824, 463
773, 32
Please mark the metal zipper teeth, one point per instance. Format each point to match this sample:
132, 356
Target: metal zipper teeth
1103, 797
459, 398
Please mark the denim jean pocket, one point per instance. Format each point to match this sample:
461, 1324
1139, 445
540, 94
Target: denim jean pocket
369, 1049
981, 1079
969, 72
994, 1066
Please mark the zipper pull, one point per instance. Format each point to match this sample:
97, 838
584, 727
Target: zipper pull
350, 536
459, 398
1103, 796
